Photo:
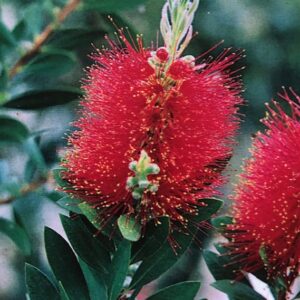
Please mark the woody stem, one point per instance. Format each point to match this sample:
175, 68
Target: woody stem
44, 36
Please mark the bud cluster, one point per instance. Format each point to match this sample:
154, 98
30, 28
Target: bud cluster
140, 183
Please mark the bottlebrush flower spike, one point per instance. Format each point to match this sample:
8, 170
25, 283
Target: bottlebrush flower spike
267, 200
156, 128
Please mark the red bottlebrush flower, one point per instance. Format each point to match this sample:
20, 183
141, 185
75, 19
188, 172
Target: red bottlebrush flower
187, 128
267, 200
153, 137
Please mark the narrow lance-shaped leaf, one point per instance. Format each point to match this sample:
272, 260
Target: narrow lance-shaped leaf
16, 234
236, 290
161, 260
180, 291
119, 269
12, 130
35, 154
220, 266
70, 204
65, 266
72, 38
51, 62
38, 285
154, 237
6, 37
41, 97
95, 281
62, 292
88, 247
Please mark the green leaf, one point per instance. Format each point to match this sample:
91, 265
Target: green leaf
35, 154
154, 237
51, 62
12, 130
62, 292
221, 222
35, 98
20, 31
65, 266
206, 212
130, 228
96, 284
4, 171
17, 234
90, 213
74, 37
58, 178
94, 218
219, 266
18, 219
88, 248
110, 5
70, 204
236, 290
6, 37
38, 285
106, 241
181, 291
119, 269
3, 82
54, 195
161, 260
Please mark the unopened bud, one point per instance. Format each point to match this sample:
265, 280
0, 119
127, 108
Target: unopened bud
131, 182
132, 166
153, 188
136, 195
153, 169
143, 184
162, 54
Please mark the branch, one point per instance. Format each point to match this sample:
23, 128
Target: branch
43, 37
26, 189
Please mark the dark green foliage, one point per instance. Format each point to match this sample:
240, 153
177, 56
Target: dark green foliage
17, 234
118, 269
95, 281
180, 291
155, 236
65, 266
105, 264
111, 5
12, 130
212, 206
50, 63
70, 204
89, 249
73, 38
41, 97
236, 290
221, 222
165, 256
38, 285
6, 37
221, 266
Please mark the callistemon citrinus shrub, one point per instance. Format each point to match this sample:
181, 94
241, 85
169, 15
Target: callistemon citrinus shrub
155, 126
267, 200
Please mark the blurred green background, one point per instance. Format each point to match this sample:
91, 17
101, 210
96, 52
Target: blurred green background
39, 102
